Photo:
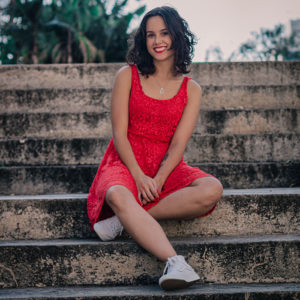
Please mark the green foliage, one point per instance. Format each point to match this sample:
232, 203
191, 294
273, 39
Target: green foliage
266, 45
69, 31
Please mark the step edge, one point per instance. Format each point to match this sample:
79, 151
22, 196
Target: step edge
226, 193
203, 110
22, 140
204, 240
154, 290
289, 162
109, 89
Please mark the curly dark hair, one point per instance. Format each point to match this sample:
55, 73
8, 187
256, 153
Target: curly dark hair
182, 38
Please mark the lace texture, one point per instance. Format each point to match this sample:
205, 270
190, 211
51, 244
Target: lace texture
178, 263
152, 123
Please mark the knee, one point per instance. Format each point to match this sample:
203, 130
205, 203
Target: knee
115, 197
212, 193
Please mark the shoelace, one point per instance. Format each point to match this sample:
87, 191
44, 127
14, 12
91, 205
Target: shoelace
175, 260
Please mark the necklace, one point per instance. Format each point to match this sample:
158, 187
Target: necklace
162, 90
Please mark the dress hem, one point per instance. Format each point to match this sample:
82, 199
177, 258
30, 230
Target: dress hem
187, 182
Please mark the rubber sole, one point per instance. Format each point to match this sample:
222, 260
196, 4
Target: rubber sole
175, 284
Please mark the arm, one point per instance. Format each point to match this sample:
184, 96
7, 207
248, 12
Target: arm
146, 186
182, 134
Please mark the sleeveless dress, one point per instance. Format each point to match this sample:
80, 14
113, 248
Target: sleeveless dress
151, 125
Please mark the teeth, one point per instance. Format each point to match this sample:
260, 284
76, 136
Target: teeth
159, 49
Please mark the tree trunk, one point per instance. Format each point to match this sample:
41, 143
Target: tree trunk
69, 47
35, 46
11, 17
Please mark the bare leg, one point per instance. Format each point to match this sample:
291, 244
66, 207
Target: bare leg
143, 228
189, 202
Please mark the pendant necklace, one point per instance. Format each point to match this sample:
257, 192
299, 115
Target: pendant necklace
162, 90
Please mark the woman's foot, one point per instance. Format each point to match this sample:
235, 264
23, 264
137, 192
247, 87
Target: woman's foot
108, 229
177, 274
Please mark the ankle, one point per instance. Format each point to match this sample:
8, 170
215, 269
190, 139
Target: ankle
173, 256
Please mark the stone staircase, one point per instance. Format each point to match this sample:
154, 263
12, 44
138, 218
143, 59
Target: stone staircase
54, 129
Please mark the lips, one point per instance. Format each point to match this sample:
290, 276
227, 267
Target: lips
160, 49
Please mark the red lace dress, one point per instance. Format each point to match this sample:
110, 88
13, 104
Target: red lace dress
152, 123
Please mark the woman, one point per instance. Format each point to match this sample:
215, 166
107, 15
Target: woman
142, 177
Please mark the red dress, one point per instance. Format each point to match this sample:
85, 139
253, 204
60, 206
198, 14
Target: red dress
152, 123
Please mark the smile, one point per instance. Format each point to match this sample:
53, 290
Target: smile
160, 49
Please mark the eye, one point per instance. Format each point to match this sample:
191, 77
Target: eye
165, 33
150, 35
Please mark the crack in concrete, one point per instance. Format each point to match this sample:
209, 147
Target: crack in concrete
11, 273
252, 271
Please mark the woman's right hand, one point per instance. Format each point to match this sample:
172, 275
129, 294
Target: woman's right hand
147, 188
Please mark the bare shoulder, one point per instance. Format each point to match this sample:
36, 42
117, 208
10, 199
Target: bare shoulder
124, 71
194, 87
194, 90
123, 76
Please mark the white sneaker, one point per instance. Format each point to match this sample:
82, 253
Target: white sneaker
108, 229
177, 274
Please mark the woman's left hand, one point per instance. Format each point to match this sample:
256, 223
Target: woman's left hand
159, 183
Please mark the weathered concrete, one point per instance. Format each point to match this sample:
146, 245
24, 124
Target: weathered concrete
78, 178
243, 148
52, 152
200, 148
243, 97
251, 212
102, 75
244, 121
238, 98
264, 259
285, 291
53, 125
93, 124
245, 73
98, 99
55, 100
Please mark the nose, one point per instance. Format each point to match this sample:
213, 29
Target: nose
158, 39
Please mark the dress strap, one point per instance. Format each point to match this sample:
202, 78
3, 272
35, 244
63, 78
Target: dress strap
184, 88
134, 75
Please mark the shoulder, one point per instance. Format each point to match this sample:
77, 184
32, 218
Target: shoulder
194, 90
123, 75
124, 72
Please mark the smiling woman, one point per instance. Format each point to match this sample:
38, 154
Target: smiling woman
143, 177
176, 31
158, 39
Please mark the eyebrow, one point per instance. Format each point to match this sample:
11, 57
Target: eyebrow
160, 30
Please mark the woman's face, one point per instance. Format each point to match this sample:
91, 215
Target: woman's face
158, 39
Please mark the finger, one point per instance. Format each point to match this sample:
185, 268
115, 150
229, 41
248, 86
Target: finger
145, 197
150, 194
142, 199
155, 191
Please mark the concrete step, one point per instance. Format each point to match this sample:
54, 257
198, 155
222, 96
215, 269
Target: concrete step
240, 212
98, 99
102, 75
200, 148
55, 100
242, 291
78, 178
221, 260
93, 124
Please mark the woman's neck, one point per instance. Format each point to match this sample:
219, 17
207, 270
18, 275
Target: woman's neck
164, 69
